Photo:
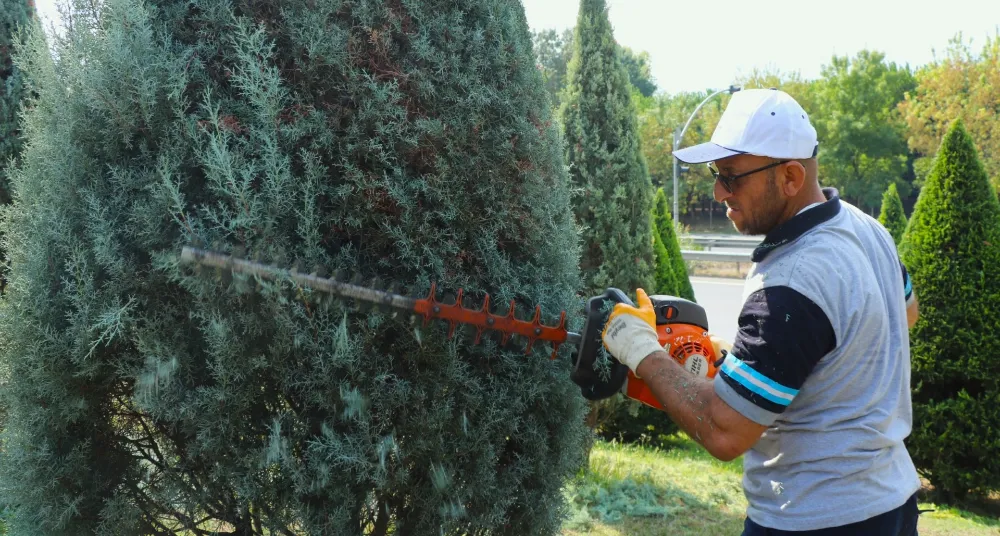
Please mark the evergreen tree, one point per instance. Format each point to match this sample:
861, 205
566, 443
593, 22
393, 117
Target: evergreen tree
14, 15
892, 216
608, 170
952, 250
664, 224
666, 281
404, 140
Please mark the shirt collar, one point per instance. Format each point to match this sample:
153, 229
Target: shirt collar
799, 224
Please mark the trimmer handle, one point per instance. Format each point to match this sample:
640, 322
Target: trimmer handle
681, 326
592, 385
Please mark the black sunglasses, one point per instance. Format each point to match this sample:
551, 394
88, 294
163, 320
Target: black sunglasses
727, 181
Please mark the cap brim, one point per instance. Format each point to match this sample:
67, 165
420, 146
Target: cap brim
702, 153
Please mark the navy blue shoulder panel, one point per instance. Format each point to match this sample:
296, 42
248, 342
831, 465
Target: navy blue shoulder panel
782, 335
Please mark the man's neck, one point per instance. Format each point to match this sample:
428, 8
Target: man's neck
815, 195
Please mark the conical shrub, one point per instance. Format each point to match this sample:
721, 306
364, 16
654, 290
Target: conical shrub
407, 141
664, 224
666, 281
891, 215
613, 190
952, 250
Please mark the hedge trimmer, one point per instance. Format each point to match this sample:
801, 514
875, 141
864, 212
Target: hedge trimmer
682, 325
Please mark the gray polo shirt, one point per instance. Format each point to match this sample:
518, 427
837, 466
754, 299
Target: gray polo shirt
822, 358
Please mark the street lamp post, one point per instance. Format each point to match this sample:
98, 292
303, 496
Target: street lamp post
679, 135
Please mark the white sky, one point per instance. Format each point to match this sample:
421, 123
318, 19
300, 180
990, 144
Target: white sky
696, 45
47, 9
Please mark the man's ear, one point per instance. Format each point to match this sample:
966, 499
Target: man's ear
792, 178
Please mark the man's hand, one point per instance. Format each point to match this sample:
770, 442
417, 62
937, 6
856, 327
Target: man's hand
630, 334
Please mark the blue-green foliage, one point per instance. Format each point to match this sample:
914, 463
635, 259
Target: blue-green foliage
410, 141
951, 248
613, 192
15, 15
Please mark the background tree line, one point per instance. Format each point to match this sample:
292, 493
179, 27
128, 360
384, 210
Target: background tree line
878, 123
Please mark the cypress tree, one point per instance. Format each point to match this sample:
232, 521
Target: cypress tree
621, 418
14, 15
664, 224
666, 281
407, 141
952, 250
891, 216
613, 189
627, 420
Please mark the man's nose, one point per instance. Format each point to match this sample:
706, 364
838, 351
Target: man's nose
720, 193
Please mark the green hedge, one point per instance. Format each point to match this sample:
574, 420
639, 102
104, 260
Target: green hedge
892, 216
664, 225
952, 249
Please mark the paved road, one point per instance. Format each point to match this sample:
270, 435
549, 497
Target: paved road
721, 300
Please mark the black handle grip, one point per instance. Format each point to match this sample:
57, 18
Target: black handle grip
592, 385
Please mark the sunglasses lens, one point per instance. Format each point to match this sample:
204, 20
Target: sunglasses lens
721, 178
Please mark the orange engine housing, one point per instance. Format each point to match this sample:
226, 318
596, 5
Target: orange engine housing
688, 344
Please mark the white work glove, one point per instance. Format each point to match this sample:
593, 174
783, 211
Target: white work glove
630, 334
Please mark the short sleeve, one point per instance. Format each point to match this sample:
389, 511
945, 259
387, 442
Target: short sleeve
907, 284
782, 336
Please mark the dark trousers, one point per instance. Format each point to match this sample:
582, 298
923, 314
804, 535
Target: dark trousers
899, 522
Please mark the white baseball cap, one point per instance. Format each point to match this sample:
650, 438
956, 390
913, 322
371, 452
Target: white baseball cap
762, 122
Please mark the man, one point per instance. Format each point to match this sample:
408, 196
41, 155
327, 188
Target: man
815, 390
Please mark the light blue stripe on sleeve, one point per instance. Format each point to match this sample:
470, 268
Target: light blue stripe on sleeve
756, 382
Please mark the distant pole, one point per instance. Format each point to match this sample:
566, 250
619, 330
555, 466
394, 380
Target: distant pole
679, 135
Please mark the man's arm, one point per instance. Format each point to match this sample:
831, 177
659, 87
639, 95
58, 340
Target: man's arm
910, 295
782, 336
692, 403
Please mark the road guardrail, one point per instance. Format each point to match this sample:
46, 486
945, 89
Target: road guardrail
718, 256
723, 241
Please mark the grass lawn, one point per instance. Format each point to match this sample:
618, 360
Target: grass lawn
681, 490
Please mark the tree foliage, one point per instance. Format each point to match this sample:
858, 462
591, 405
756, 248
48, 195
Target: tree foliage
639, 75
555, 50
963, 84
665, 280
15, 15
410, 142
891, 215
862, 139
952, 250
660, 117
664, 227
613, 193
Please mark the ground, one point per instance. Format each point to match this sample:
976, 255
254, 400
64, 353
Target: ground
678, 489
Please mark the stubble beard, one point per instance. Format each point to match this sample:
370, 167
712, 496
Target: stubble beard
766, 212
